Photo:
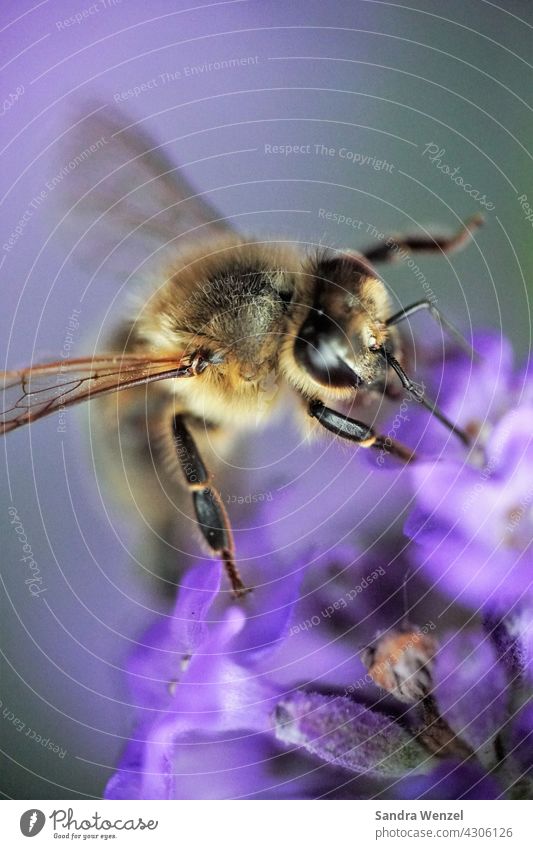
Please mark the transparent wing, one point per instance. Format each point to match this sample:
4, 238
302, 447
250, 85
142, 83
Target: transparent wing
37, 391
127, 197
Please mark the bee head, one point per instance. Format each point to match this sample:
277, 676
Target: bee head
338, 340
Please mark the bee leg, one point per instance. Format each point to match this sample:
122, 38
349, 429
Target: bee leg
358, 432
436, 314
210, 512
393, 247
418, 394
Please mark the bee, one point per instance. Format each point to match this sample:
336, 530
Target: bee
228, 316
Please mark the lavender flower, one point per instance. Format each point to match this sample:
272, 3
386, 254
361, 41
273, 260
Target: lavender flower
484, 692
218, 717
202, 683
472, 523
274, 697
475, 717
193, 677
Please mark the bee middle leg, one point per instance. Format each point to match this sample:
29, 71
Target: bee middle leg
209, 509
358, 432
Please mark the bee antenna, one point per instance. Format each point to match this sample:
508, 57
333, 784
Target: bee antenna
418, 394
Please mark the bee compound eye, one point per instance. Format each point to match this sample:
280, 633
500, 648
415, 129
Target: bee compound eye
318, 350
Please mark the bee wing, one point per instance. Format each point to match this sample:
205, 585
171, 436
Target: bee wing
37, 391
127, 193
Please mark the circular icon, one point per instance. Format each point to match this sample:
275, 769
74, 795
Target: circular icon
32, 822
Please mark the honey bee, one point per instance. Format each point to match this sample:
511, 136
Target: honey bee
228, 314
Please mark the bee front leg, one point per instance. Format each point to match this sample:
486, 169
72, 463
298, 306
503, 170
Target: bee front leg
435, 313
394, 246
358, 432
210, 512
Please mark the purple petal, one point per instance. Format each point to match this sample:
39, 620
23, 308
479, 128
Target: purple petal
270, 610
126, 782
471, 690
512, 634
450, 780
521, 744
468, 571
164, 650
474, 525
197, 592
219, 698
244, 765
469, 392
